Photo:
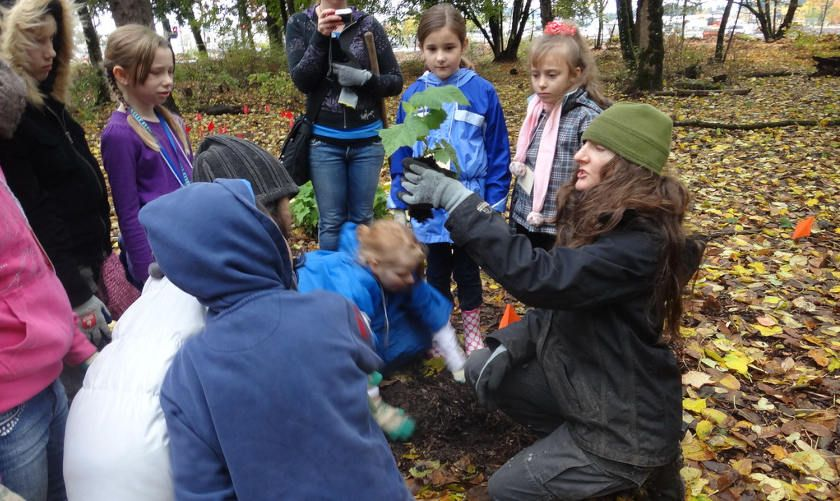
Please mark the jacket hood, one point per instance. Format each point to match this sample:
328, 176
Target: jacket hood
13, 40
212, 241
458, 79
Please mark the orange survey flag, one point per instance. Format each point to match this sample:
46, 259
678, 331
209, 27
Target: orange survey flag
803, 228
508, 317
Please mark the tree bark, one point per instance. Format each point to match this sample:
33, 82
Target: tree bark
545, 12
651, 46
721, 35
786, 22
624, 19
245, 22
103, 92
275, 33
131, 11
754, 126
519, 19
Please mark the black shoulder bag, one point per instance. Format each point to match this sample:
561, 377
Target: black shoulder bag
294, 154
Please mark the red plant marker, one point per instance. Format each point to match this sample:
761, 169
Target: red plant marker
211, 126
268, 108
246, 109
508, 317
803, 228
187, 128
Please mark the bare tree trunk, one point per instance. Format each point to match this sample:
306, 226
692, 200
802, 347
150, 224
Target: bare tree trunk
545, 12
721, 34
651, 46
195, 29
624, 19
103, 93
518, 20
600, 6
245, 22
786, 22
275, 33
131, 11
732, 33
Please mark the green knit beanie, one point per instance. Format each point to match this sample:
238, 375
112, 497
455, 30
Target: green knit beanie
635, 131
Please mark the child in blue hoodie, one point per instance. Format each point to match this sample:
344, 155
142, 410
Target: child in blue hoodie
268, 402
480, 137
378, 268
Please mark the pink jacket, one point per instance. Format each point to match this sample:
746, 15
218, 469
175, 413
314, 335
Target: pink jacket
37, 326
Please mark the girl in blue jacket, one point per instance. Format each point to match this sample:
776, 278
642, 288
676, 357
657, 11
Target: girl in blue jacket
479, 133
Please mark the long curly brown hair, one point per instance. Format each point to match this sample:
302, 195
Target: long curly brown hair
585, 215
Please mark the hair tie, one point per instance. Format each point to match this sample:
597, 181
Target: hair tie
560, 28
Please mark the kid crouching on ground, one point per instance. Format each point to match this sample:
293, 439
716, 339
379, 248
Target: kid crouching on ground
378, 268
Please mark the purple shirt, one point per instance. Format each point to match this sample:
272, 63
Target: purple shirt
138, 175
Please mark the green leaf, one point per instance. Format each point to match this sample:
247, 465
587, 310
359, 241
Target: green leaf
404, 134
444, 152
436, 97
430, 118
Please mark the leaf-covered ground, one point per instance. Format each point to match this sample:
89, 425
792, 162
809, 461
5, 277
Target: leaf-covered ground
760, 352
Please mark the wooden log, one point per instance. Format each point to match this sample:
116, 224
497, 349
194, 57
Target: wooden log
827, 66
221, 109
758, 125
708, 92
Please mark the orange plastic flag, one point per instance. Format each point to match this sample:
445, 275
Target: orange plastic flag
803, 228
508, 317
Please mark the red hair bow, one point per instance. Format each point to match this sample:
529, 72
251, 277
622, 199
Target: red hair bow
560, 28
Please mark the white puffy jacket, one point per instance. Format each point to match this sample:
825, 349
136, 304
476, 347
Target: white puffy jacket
116, 446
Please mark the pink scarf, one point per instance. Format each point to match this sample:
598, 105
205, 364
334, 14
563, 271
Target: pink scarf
545, 154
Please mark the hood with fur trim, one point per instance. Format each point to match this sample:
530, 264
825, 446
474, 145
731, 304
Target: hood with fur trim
13, 39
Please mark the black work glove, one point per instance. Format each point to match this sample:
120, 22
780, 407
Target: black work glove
491, 375
427, 186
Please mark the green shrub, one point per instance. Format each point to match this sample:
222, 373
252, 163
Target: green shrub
273, 86
84, 90
305, 209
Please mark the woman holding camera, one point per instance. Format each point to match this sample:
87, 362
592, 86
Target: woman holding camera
329, 62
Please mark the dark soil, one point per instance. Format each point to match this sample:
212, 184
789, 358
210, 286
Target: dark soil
451, 425
467, 442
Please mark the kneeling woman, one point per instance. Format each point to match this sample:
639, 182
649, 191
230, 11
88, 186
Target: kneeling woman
588, 368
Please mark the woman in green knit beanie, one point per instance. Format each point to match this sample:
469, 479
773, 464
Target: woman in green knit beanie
588, 368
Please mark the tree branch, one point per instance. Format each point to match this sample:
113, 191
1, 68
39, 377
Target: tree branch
758, 125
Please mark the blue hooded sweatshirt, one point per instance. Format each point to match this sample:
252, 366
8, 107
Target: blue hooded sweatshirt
269, 402
402, 322
480, 137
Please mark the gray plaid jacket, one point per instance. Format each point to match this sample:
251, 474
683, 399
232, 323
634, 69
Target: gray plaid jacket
577, 113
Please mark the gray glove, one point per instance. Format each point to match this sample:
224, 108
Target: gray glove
94, 318
491, 375
349, 76
427, 186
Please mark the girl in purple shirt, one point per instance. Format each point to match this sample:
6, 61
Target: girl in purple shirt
145, 148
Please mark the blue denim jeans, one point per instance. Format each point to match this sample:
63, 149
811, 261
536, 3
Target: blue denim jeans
32, 446
344, 179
